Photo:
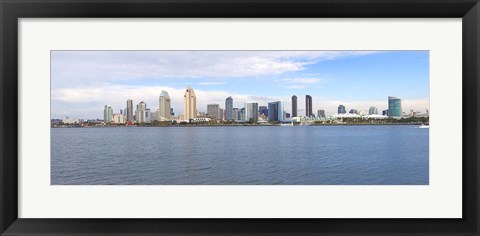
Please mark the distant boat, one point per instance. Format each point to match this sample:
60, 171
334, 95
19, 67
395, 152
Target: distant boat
422, 126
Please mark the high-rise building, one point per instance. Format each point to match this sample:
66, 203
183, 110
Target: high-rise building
263, 110
147, 115
251, 111
129, 110
294, 106
189, 104
242, 113
107, 114
155, 115
385, 112
229, 108
394, 107
164, 106
321, 113
308, 106
140, 113
275, 111
213, 111
373, 111
221, 115
236, 114
341, 109
171, 112
118, 118
353, 111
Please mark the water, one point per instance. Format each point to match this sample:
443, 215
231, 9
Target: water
308, 155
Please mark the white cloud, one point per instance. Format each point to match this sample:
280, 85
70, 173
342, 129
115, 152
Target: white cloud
93, 67
295, 86
301, 80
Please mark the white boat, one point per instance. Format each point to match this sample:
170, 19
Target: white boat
422, 126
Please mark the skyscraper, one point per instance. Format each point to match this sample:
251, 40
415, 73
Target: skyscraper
308, 106
373, 111
236, 114
341, 109
141, 113
394, 107
242, 113
294, 106
321, 113
147, 115
189, 104
213, 110
263, 110
251, 111
221, 114
107, 114
275, 111
229, 109
129, 110
164, 106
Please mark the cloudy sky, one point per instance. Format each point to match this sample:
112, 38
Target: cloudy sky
83, 82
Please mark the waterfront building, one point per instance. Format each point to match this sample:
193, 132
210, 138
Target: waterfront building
155, 115
189, 104
200, 119
353, 111
275, 111
287, 115
164, 106
394, 107
308, 106
229, 108
373, 111
341, 109
213, 111
294, 106
321, 113
107, 114
263, 110
129, 110
118, 118
147, 115
242, 113
385, 112
236, 114
140, 113
221, 114
172, 114
251, 111
68, 120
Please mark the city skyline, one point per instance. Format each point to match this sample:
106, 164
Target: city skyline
276, 76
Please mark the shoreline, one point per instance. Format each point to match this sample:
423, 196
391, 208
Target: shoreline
234, 125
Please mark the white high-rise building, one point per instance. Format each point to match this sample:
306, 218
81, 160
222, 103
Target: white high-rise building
118, 118
189, 104
164, 106
140, 113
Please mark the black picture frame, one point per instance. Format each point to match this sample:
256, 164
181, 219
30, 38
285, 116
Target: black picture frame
12, 10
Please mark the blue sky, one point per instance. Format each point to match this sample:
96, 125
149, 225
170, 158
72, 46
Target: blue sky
84, 81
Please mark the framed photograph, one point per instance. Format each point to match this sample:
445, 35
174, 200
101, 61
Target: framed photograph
239, 117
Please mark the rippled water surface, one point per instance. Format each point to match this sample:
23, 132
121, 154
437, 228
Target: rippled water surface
299, 155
